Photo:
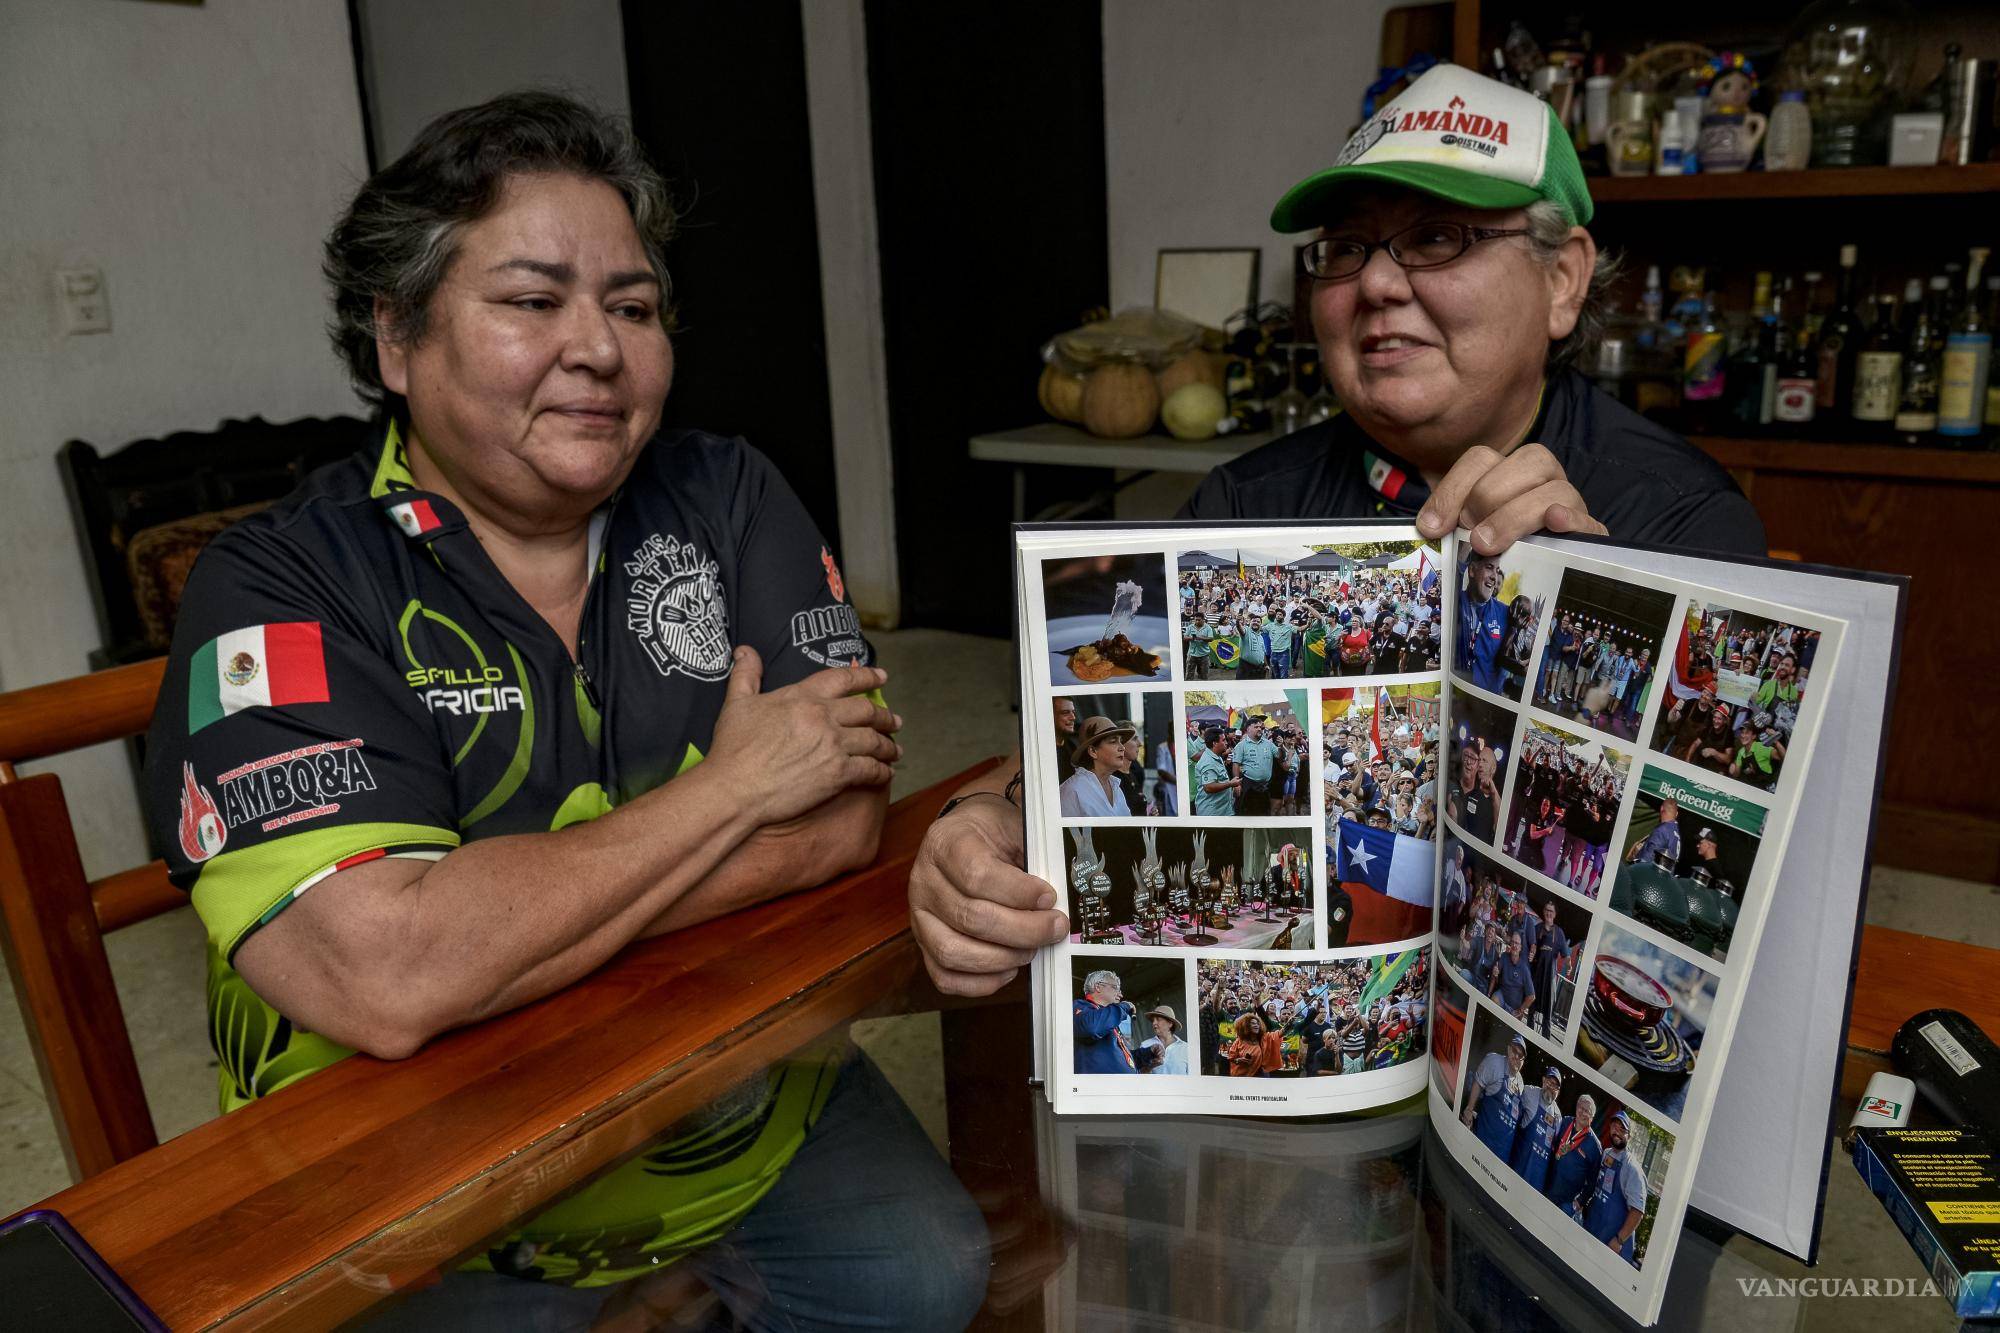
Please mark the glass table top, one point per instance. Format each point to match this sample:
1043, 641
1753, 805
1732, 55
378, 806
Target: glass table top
1208, 1223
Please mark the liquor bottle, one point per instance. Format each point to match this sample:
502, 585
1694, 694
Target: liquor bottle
1992, 380
1968, 354
1807, 315
1652, 302
1702, 371
1838, 341
1878, 370
1753, 371
1940, 309
1916, 414
1760, 302
1798, 375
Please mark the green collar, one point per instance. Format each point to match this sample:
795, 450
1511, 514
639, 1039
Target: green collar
392, 469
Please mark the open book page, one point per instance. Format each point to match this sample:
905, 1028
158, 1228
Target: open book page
1230, 748
1625, 755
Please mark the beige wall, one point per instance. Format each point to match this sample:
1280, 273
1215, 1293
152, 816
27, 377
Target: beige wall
1212, 109
196, 154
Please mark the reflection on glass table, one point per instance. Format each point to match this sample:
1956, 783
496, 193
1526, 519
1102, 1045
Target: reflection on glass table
1366, 1224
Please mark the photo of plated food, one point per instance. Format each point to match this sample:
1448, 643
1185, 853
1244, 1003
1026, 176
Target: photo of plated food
1107, 618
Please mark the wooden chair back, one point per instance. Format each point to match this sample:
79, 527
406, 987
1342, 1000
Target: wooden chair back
53, 919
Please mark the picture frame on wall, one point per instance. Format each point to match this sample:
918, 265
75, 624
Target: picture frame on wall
1206, 285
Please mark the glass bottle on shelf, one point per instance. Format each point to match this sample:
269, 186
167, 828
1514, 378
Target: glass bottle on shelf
1968, 356
1753, 371
1809, 314
1288, 405
1837, 342
1652, 303
1702, 370
1916, 412
1789, 147
1992, 380
1878, 370
1798, 380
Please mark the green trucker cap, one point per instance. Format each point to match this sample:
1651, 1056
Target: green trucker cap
1457, 135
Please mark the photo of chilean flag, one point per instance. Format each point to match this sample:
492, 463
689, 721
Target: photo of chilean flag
255, 667
1391, 878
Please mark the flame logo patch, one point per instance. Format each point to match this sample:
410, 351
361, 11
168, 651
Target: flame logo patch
202, 831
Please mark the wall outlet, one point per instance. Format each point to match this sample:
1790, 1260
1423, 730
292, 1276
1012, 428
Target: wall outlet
85, 305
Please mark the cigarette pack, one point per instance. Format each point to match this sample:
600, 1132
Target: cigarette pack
1942, 1188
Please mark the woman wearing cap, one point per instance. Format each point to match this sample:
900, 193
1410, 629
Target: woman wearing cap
1094, 790
1455, 292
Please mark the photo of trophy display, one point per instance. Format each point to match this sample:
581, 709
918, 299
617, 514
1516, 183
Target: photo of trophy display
1091, 888
1149, 894
1177, 898
1291, 892
1201, 895
1261, 890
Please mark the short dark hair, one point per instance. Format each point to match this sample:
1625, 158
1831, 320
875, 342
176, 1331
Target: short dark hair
400, 233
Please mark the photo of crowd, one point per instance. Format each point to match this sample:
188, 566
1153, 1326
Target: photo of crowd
1734, 685
1248, 753
1287, 1020
1355, 609
1101, 746
1126, 1015
1602, 653
1644, 1013
1245, 888
1689, 851
1481, 733
1379, 746
1448, 1021
1500, 609
1595, 1160
1567, 789
1107, 618
1518, 944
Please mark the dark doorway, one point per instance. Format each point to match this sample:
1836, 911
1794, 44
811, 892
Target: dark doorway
988, 134
719, 100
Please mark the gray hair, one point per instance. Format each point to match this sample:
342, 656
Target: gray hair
398, 237
1547, 230
1102, 976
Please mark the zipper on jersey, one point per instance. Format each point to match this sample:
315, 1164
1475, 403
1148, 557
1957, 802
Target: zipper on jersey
584, 681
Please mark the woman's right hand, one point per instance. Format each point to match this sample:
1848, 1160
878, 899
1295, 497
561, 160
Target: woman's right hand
977, 916
801, 745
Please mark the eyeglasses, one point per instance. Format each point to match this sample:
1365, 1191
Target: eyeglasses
1425, 245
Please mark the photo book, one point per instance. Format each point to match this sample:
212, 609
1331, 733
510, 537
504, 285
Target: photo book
1571, 842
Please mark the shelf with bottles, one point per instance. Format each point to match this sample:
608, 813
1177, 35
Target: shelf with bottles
1848, 86
1874, 366
1819, 183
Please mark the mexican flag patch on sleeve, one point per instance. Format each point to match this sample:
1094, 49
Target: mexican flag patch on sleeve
256, 667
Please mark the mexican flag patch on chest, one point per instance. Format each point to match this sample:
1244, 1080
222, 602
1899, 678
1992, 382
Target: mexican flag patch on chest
254, 668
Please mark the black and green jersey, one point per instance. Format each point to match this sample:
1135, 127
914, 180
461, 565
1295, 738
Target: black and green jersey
352, 678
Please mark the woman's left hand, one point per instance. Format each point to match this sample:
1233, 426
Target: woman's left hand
1503, 498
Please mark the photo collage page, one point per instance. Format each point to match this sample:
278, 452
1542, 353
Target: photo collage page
1234, 779
1618, 755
